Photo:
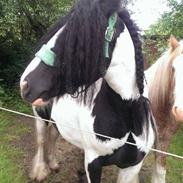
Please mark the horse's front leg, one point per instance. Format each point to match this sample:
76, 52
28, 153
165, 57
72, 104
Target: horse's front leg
93, 168
159, 172
52, 137
40, 169
129, 175
165, 136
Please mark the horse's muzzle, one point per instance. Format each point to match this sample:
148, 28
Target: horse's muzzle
178, 113
27, 95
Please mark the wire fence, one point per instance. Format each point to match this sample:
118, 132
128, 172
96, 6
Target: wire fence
92, 133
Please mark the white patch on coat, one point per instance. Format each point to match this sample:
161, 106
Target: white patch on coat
33, 64
178, 67
86, 162
52, 41
121, 74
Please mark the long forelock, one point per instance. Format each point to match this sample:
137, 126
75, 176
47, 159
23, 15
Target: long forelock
79, 48
162, 87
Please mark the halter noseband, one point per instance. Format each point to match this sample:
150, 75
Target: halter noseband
48, 56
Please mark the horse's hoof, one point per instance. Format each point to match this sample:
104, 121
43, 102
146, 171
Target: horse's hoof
54, 166
40, 172
82, 176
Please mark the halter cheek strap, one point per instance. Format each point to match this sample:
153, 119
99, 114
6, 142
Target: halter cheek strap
109, 33
46, 55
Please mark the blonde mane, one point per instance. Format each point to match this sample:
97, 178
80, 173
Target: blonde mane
161, 88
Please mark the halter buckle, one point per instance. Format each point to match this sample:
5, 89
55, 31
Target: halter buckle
109, 34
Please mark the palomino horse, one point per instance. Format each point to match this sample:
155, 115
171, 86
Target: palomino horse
90, 76
164, 87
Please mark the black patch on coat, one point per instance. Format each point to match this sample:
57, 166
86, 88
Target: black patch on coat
45, 111
115, 117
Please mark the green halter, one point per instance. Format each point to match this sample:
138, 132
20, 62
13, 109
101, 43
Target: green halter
48, 56
109, 33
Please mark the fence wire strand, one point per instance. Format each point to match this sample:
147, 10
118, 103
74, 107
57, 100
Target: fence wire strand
92, 133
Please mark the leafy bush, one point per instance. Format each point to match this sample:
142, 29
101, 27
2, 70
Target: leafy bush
12, 61
153, 48
1, 94
22, 24
11, 99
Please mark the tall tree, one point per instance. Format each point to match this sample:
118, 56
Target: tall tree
171, 22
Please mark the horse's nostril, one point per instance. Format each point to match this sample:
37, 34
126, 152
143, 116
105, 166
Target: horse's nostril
25, 90
24, 85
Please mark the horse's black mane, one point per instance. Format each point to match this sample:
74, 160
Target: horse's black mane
81, 43
79, 49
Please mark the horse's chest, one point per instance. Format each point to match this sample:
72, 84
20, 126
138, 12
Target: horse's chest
76, 124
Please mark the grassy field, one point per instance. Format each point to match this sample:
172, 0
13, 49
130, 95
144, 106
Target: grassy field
10, 131
12, 165
175, 166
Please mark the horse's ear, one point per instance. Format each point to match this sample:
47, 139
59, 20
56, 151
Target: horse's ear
173, 43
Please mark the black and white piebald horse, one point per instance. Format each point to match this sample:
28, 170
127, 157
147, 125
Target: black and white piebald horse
89, 75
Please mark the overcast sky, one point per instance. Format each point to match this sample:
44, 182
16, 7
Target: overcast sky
148, 11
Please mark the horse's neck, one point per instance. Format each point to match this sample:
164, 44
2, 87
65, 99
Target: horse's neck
149, 76
121, 73
152, 71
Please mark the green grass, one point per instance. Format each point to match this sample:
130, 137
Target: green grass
11, 99
10, 131
9, 171
175, 166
